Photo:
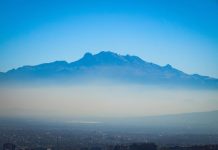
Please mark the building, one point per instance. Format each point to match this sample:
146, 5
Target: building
8, 146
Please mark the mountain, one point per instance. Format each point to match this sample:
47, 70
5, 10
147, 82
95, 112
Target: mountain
185, 123
107, 65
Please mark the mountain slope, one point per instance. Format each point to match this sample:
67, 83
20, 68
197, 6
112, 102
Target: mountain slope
108, 65
187, 123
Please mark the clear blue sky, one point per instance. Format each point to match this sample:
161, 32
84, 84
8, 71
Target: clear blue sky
181, 33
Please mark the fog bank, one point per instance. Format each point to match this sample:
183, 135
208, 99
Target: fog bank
103, 101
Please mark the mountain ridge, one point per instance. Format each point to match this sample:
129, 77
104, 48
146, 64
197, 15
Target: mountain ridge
109, 65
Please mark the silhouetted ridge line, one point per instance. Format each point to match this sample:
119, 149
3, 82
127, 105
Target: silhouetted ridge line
108, 66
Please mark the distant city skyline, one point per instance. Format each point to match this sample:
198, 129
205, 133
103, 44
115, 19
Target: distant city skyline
181, 33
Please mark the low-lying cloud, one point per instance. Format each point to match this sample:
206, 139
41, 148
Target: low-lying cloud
103, 101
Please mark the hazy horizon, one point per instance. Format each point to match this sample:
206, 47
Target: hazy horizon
103, 100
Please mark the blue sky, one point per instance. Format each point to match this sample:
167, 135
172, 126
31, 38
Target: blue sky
181, 33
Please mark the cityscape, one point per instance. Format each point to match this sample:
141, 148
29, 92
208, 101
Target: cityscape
44, 135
